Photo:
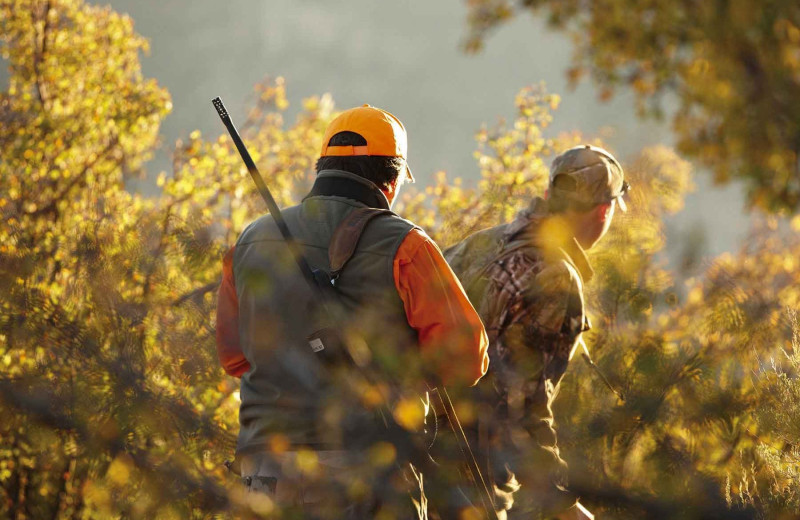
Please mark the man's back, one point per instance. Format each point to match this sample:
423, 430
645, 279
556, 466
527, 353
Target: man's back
526, 284
286, 378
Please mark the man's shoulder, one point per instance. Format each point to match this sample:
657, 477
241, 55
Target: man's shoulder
547, 286
541, 278
265, 228
555, 268
485, 236
396, 221
476, 251
386, 230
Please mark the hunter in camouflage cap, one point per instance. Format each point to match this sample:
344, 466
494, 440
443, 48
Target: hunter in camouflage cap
586, 176
526, 280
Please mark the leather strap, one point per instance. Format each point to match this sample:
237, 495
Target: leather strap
345, 238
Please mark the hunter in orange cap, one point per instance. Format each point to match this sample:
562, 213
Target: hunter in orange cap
395, 290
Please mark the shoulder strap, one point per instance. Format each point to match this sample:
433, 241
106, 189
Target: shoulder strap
348, 233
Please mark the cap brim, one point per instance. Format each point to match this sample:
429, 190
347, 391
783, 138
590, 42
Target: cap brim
411, 178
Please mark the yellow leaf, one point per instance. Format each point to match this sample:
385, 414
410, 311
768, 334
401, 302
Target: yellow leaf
382, 454
409, 414
278, 443
119, 471
307, 462
695, 296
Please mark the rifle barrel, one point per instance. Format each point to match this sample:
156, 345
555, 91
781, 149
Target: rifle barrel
272, 206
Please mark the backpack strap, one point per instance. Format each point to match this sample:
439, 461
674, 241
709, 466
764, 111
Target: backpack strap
346, 236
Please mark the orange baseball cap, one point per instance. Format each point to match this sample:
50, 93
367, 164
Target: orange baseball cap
384, 133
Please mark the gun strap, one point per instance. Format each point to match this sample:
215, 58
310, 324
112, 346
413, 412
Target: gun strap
347, 234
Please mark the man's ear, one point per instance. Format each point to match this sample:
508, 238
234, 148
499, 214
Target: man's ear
391, 190
603, 211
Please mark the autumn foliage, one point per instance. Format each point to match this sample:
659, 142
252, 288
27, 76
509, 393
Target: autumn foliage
726, 73
111, 400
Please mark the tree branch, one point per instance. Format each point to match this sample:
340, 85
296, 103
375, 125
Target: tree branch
52, 207
40, 56
200, 291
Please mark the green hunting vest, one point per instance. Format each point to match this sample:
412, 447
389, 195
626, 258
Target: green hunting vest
283, 392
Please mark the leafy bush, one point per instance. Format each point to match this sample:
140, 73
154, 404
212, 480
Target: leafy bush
112, 401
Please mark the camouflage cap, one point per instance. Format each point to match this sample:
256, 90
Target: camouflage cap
597, 176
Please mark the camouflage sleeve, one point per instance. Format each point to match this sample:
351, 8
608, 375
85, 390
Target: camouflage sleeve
544, 338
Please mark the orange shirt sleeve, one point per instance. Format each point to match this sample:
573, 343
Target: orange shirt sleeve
229, 350
451, 336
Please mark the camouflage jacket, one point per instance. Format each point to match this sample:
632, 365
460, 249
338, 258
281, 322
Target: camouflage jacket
527, 285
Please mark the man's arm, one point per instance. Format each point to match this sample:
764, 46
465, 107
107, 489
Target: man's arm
451, 336
229, 350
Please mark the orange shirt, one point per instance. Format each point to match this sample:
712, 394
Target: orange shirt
451, 336
228, 349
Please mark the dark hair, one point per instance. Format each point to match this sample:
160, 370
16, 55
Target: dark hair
380, 169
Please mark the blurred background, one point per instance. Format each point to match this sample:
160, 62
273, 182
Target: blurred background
406, 56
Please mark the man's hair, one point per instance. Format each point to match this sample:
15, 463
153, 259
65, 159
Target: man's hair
380, 169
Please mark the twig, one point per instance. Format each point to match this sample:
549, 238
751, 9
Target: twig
52, 207
200, 291
40, 56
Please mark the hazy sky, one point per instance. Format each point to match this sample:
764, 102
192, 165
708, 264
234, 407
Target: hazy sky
402, 55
